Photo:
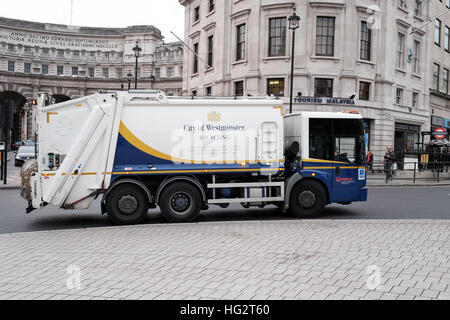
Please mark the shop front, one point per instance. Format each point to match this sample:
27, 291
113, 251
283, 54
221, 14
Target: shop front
437, 122
406, 139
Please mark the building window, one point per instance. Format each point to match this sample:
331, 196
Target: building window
415, 99
44, 69
10, 48
119, 73
446, 38
447, 3
445, 81
400, 51
158, 73
60, 53
76, 53
27, 68
11, 66
91, 72
211, 5
323, 87
208, 91
399, 96
364, 90
240, 42
197, 14
416, 57
210, 51
45, 51
418, 8
366, 41
75, 71
60, 70
402, 3
437, 32
181, 71
170, 72
195, 58
277, 37
105, 73
92, 53
436, 72
27, 49
325, 36
239, 88
275, 87
194, 93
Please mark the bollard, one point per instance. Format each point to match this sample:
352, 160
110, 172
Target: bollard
414, 176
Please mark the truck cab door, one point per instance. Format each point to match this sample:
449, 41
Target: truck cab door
346, 186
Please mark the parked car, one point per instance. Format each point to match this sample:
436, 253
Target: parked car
25, 153
2, 146
16, 145
29, 143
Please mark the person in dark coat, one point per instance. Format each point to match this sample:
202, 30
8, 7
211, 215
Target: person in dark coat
369, 161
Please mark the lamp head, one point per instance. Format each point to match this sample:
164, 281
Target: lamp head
294, 21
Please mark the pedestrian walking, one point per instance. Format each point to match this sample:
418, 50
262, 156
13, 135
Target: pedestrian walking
389, 159
369, 161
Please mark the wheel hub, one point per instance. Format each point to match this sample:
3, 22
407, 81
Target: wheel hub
180, 202
127, 204
307, 199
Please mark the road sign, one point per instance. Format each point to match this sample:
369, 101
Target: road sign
440, 133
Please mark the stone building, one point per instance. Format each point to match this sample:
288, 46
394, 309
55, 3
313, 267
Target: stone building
373, 56
70, 62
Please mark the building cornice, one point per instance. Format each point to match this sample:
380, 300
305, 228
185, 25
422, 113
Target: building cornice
194, 34
209, 26
339, 4
277, 5
240, 13
61, 29
439, 94
403, 23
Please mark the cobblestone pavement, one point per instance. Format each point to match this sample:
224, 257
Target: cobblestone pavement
304, 259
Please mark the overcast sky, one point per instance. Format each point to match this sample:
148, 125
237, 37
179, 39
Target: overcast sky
166, 15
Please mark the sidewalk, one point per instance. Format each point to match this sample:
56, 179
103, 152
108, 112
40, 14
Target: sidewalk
379, 180
320, 259
13, 178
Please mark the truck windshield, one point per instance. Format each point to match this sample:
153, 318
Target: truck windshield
337, 139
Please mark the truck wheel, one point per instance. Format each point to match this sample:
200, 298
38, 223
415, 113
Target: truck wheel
127, 204
307, 200
180, 202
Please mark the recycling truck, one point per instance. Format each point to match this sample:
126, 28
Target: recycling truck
137, 150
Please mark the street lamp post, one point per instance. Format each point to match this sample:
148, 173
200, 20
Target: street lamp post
294, 22
129, 75
137, 52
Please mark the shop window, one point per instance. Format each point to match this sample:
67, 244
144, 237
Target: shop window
239, 88
275, 87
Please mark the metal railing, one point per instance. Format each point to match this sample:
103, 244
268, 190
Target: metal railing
436, 171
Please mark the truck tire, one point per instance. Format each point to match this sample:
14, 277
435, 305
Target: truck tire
180, 202
307, 200
127, 204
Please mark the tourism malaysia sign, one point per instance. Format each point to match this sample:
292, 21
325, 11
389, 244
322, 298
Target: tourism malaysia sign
60, 41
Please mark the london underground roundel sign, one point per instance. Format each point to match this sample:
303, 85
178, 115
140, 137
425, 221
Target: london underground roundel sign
440, 133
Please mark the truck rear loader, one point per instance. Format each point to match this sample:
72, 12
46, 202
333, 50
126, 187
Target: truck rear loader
140, 149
